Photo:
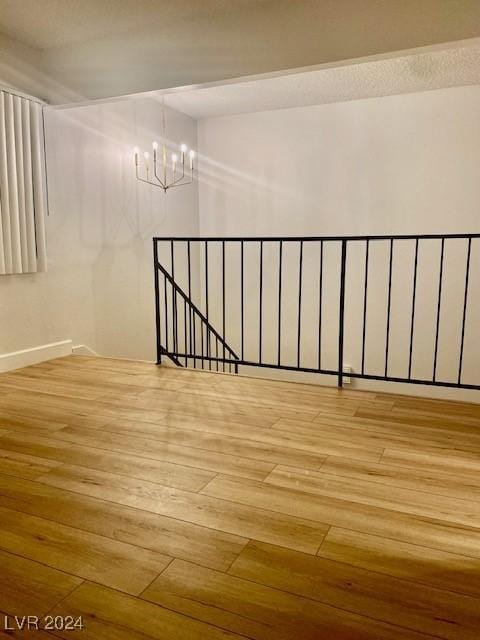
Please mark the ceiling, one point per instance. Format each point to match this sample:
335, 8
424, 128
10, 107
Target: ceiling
423, 71
90, 49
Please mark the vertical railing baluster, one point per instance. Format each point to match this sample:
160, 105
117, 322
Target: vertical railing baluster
165, 293
194, 339
189, 269
280, 261
207, 346
261, 304
174, 299
365, 302
299, 315
157, 302
223, 300
341, 321
242, 300
175, 295
464, 317
216, 352
389, 304
185, 330
201, 339
320, 296
412, 325
439, 304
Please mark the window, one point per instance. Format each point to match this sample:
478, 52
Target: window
22, 186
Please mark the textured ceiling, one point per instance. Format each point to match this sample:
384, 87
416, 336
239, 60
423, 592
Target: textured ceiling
405, 74
103, 48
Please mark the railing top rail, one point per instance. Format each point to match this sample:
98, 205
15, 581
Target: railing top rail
429, 236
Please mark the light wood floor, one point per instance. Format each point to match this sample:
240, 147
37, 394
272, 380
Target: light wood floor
172, 504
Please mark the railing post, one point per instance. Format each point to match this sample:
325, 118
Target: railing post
341, 321
157, 301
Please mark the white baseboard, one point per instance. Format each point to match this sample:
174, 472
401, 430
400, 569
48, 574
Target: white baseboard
83, 350
19, 359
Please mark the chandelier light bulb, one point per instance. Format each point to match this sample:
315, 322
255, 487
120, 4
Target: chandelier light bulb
136, 151
183, 149
174, 158
146, 155
155, 145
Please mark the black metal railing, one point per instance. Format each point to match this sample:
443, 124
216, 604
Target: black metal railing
395, 308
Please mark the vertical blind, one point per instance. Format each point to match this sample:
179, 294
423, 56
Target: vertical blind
22, 186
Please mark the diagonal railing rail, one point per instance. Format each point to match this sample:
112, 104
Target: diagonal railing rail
195, 327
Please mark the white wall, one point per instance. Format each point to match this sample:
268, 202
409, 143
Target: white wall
99, 287
400, 164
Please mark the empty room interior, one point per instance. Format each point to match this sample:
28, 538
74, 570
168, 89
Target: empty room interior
240, 319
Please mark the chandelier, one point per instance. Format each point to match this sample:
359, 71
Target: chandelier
168, 171
171, 171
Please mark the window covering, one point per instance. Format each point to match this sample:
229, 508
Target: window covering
22, 186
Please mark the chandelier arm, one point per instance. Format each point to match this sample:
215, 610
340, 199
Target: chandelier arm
161, 183
180, 184
179, 180
153, 184
147, 181
174, 182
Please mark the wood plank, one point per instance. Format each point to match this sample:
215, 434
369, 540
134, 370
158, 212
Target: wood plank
110, 615
223, 515
16, 422
442, 483
421, 530
103, 364
448, 460
380, 434
421, 565
290, 397
55, 419
30, 588
165, 535
89, 380
54, 452
23, 634
40, 400
267, 439
438, 422
232, 444
376, 495
60, 388
175, 454
124, 366
431, 405
260, 612
210, 406
23, 465
179, 406
463, 434
253, 384
425, 610
440, 412
117, 564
